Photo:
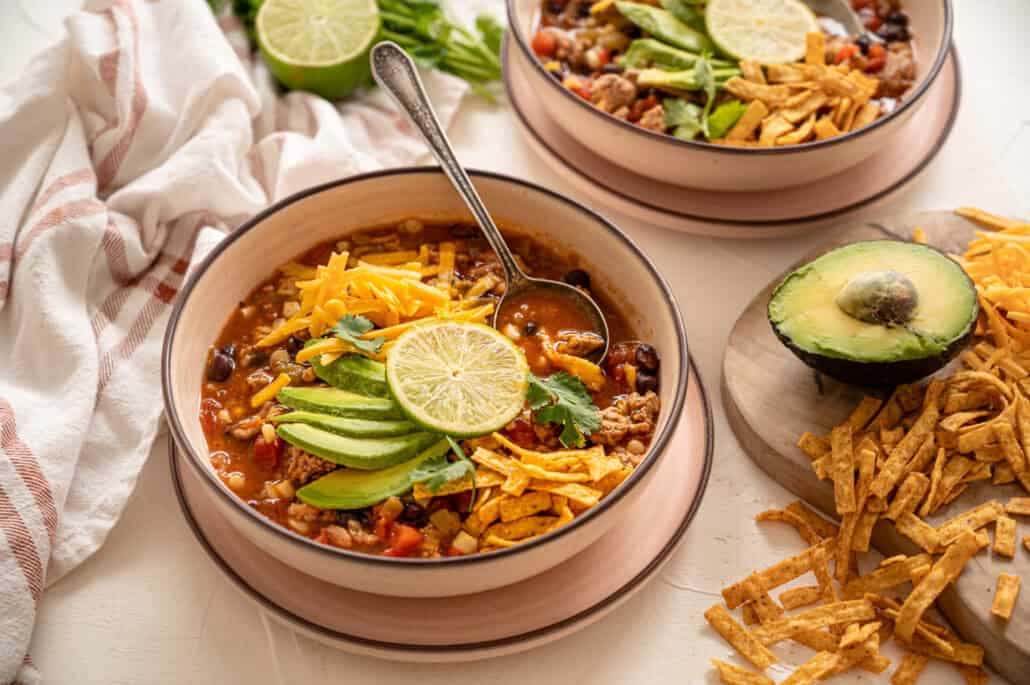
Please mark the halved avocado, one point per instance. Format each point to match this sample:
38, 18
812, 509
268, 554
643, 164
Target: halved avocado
349, 489
876, 313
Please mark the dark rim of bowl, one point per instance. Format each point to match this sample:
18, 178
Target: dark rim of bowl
757, 224
611, 600
910, 98
656, 450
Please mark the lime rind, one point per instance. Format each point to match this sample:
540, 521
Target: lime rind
462, 379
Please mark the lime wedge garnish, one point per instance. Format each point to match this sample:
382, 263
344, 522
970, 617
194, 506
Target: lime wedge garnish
318, 45
766, 31
462, 379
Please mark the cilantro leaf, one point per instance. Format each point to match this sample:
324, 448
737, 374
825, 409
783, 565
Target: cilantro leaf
350, 329
434, 473
683, 117
563, 399
704, 76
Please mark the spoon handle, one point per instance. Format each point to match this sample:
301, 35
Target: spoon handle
395, 72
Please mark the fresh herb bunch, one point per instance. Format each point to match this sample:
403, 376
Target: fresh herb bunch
425, 33
422, 29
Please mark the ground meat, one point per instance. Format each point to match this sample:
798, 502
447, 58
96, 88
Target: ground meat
612, 92
308, 513
578, 343
898, 73
360, 535
633, 415
339, 536
653, 119
302, 468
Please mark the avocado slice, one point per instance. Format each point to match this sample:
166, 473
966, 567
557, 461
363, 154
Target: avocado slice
354, 373
349, 489
366, 454
355, 428
876, 313
338, 403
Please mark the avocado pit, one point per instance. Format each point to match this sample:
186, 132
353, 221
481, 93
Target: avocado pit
885, 298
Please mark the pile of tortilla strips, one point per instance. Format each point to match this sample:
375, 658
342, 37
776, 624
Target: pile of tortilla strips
522, 494
901, 460
789, 104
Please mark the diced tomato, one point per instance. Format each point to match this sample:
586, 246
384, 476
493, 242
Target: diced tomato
641, 106
877, 57
209, 409
322, 537
544, 43
845, 53
266, 454
604, 56
877, 50
403, 541
584, 89
871, 20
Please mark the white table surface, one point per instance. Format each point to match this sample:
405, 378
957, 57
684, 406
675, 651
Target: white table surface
150, 607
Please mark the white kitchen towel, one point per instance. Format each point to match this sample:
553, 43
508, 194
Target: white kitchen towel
129, 148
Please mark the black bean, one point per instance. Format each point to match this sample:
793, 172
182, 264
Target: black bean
897, 17
583, 10
414, 515
863, 43
220, 367
647, 358
612, 68
294, 345
229, 349
893, 33
578, 278
464, 230
530, 328
646, 382
555, 7
358, 515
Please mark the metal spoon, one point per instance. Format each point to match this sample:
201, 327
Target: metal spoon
841, 11
395, 72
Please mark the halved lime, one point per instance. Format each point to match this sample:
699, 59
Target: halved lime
766, 31
318, 45
462, 379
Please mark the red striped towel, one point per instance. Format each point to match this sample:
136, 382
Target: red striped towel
129, 148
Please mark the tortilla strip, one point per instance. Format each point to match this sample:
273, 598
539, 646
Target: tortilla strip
771, 96
776, 575
1005, 595
842, 469
1019, 506
752, 71
961, 652
798, 597
785, 73
773, 127
910, 668
935, 483
516, 483
863, 534
906, 449
582, 495
749, 122
943, 573
1005, 537
919, 532
800, 135
972, 675
735, 675
739, 637
821, 570
1003, 475
819, 617
800, 525
814, 446
842, 555
515, 508
867, 114
885, 577
815, 48
911, 492
804, 109
825, 129
975, 518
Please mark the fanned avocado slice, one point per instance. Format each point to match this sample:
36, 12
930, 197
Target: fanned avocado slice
354, 373
338, 403
349, 489
355, 428
366, 454
876, 313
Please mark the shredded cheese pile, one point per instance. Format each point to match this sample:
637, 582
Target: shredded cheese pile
998, 262
386, 287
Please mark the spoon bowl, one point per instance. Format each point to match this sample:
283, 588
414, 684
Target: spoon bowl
395, 72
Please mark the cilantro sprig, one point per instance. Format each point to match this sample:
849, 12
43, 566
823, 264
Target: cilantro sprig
350, 329
435, 473
563, 399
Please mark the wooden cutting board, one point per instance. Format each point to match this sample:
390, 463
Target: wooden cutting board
772, 398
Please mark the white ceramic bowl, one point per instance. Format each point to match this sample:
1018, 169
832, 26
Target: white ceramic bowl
697, 164
288, 228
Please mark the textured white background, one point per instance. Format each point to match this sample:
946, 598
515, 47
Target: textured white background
151, 608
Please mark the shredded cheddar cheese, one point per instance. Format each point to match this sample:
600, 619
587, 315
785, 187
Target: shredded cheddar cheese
269, 391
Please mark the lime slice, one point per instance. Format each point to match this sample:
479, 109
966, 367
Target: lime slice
462, 379
318, 45
766, 31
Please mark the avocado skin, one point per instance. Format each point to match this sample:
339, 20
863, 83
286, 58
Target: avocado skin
878, 374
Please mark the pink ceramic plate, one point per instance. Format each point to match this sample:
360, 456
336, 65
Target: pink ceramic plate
556, 603
742, 214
